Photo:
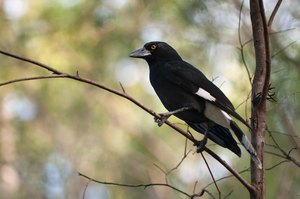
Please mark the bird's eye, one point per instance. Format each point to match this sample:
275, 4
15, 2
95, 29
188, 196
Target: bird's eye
153, 47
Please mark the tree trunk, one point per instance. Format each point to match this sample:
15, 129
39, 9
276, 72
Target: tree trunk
259, 92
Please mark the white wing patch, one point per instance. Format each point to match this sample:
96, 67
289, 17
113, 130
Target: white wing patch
206, 95
226, 115
217, 115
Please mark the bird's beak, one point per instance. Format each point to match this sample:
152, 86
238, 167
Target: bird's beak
140, 53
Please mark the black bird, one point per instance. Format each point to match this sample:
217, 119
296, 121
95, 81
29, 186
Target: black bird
190, 96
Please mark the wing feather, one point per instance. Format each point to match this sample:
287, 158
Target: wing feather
191, 79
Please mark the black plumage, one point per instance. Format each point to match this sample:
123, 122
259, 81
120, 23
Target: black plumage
190, 96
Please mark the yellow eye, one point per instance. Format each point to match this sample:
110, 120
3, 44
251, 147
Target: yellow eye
153, 47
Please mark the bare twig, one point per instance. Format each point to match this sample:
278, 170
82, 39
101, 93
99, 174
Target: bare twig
201, 194
227, 196
285, 155
135, 185
241, 44
285, 134
211, 174
85, 188
275, 142
288, 125
275, 165
123, 89
179, 163
234, 173
195, 186
284, 48
275, 154
270, 22
244, 101
176, 167
246, 105
225, 177
32, 62
281, 31
32, 78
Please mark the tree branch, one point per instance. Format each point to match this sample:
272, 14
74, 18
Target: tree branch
285, 155
135, 185
242, 45
212, 176
271, 19
59, 74
32, 62
260, 87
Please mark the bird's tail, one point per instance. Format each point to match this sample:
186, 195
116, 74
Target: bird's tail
245, 142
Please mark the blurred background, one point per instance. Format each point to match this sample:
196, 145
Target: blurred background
52, 129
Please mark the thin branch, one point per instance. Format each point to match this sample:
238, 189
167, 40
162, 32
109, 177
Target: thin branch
129, 98
244, 101
201, 194
284, 154
283, 49
270, 22
282, 31
188, 136
85, 188
285, 134
275, 154
32, 62
241, 44
227, 196
161, 169
275, 142
292, 149
246, 105
225, 177
32, 78
279, 163
195, 186
211, 174
271, 145
185, 147
135, 185
270, 33
123, 89
235, 173
248, 169
177, 165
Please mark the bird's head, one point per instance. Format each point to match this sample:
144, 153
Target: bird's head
155, 51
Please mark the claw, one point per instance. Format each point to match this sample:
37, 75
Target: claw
163, 118
201, 144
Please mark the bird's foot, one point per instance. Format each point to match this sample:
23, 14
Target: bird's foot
163, 118
201, 144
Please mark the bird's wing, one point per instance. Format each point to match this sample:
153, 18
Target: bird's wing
192, 80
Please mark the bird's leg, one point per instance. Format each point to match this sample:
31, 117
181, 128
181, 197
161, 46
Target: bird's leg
202, 143
164, 116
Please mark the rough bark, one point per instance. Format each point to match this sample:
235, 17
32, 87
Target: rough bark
259, 92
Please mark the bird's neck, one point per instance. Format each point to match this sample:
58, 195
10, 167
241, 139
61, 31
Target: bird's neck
153, 61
